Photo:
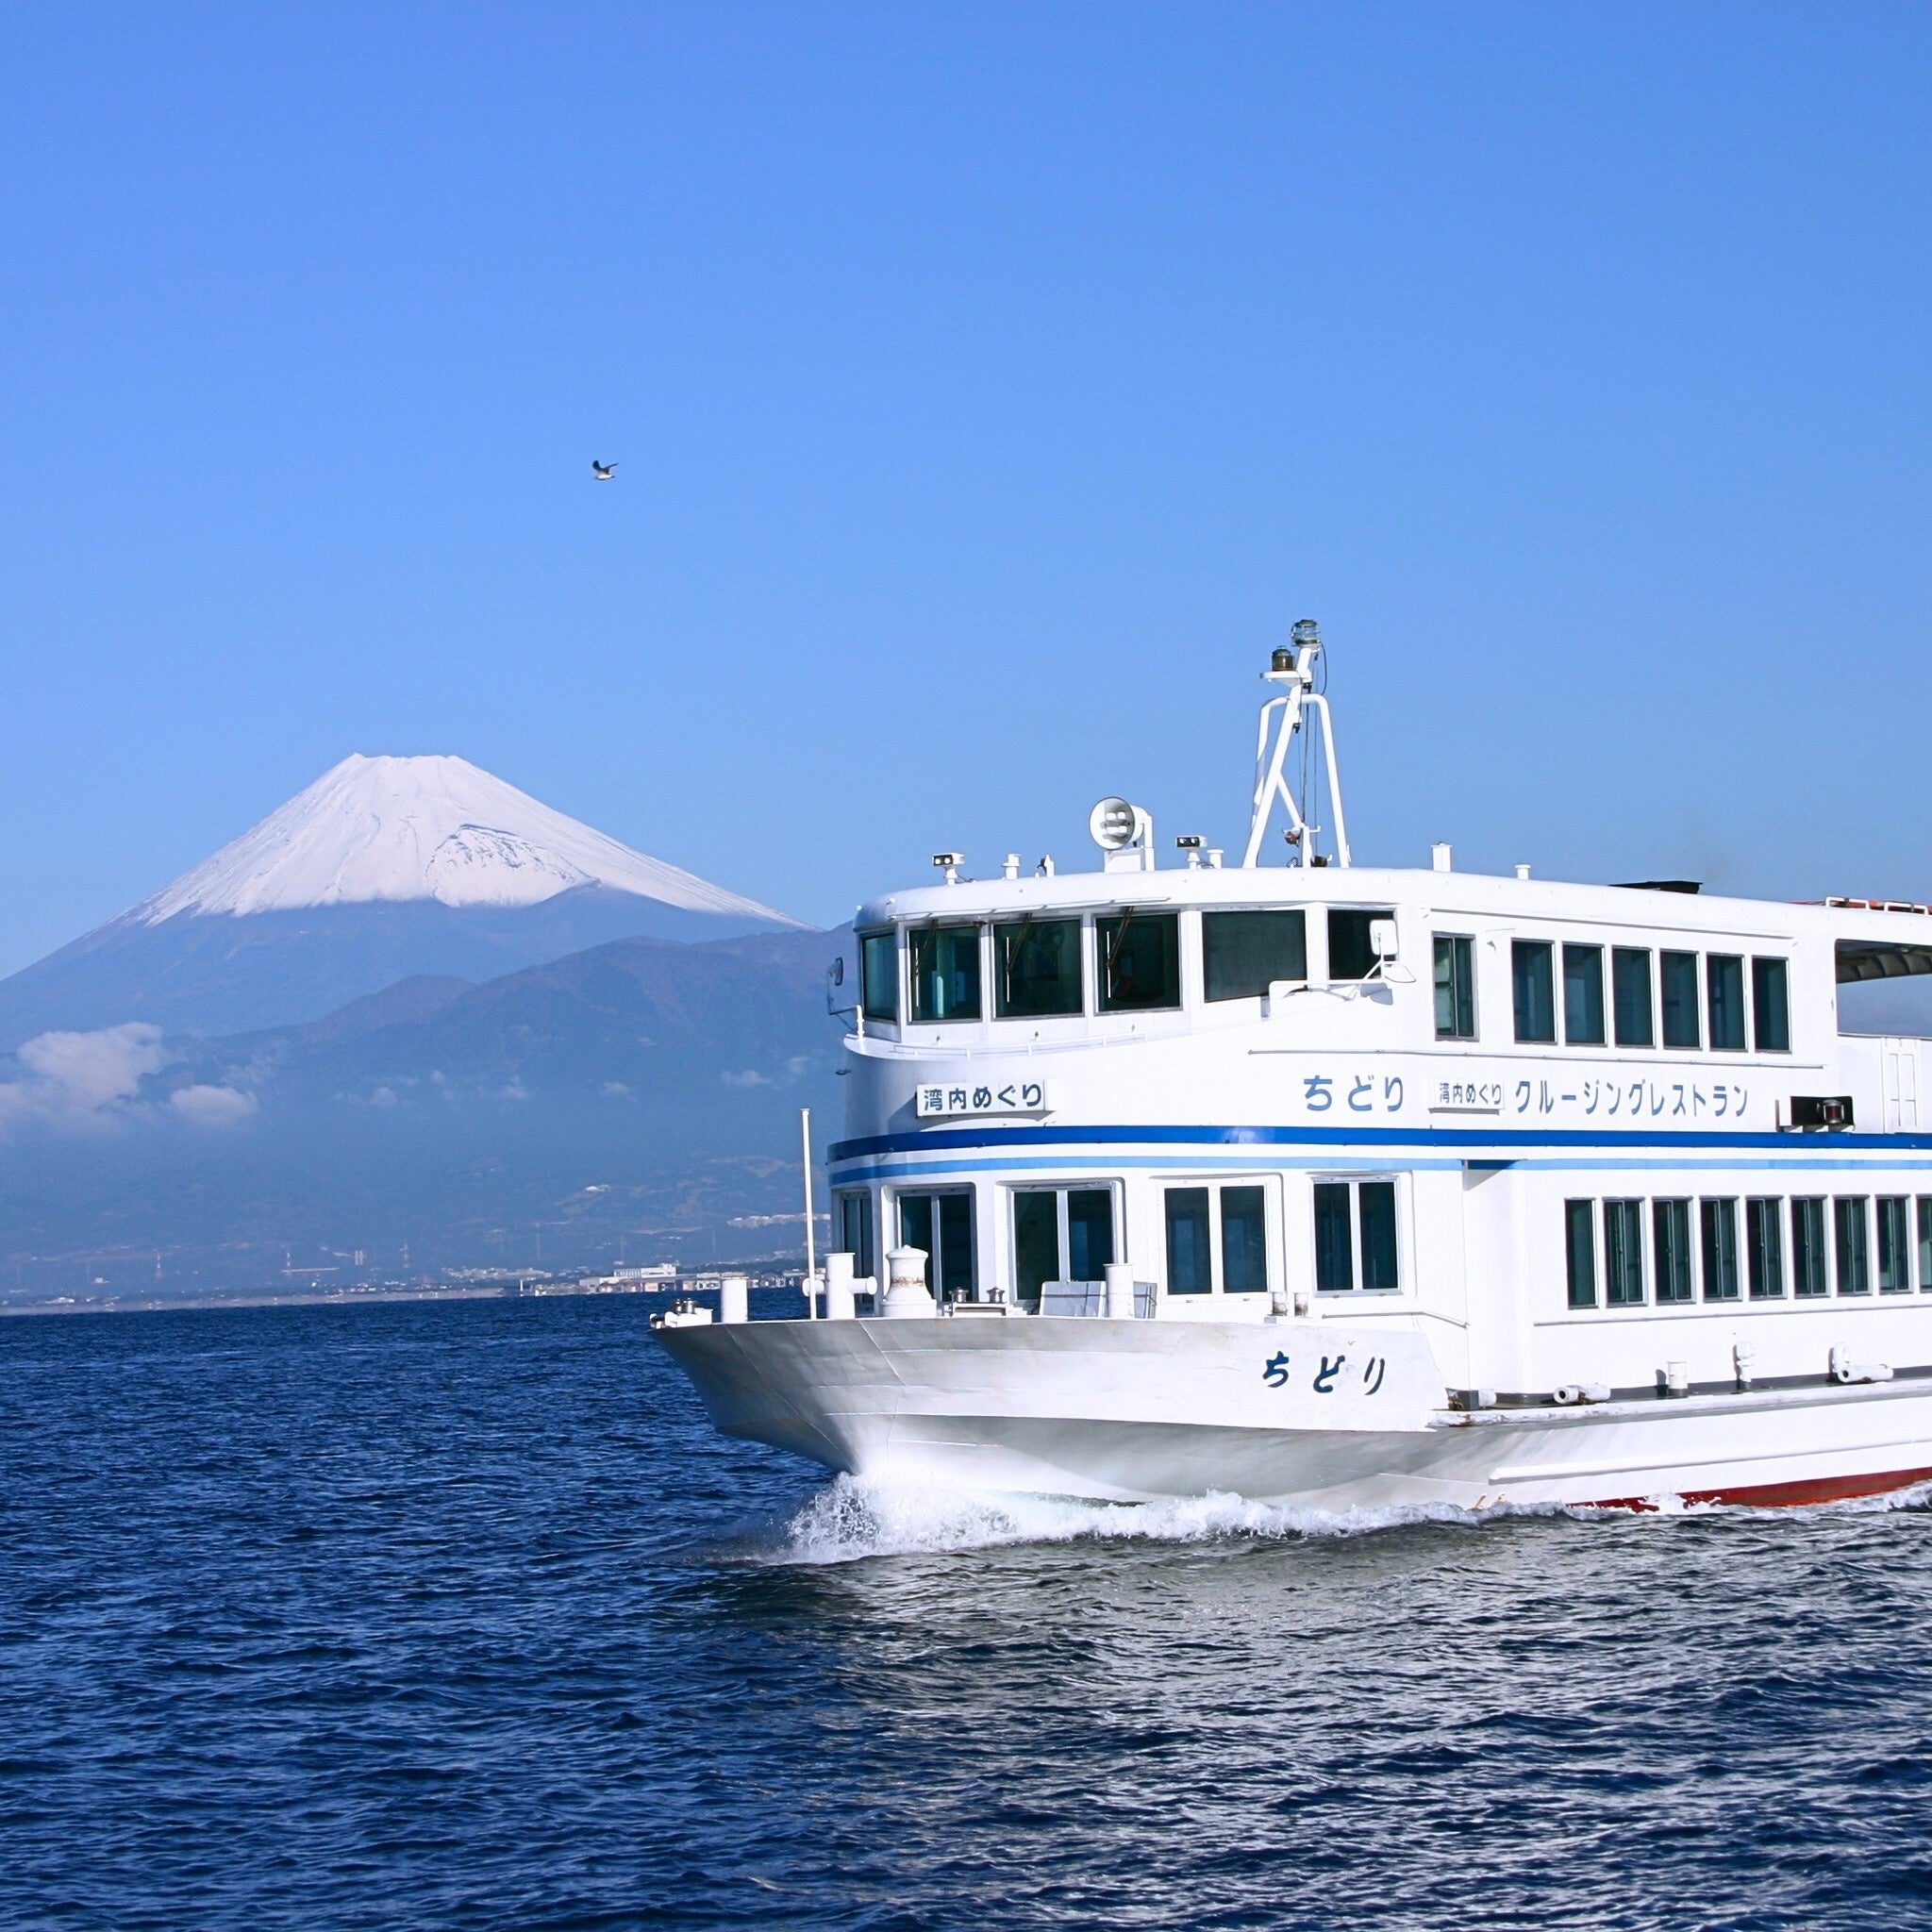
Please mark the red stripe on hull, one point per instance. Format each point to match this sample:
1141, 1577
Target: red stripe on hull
1822, 1488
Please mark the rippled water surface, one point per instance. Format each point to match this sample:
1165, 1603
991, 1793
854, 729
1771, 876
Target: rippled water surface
457, 1615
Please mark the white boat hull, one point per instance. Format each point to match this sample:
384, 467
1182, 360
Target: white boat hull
1306, 1413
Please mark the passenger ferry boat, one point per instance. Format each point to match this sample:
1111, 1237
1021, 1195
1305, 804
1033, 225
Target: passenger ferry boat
1358, 1187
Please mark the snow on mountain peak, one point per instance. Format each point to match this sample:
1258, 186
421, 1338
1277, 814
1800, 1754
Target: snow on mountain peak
423, 828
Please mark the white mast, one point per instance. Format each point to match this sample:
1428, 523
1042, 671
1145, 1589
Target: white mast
1281, 718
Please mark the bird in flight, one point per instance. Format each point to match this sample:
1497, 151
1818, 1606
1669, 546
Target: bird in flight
604, 473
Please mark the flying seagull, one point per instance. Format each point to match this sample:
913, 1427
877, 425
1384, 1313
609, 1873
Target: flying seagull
605, 472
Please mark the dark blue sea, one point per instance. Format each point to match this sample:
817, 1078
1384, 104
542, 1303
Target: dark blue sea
458, 1615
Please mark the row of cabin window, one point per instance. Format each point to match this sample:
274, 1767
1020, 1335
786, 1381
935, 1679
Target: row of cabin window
1604, 1243
1631, 1010
1216, 1237
1036, 964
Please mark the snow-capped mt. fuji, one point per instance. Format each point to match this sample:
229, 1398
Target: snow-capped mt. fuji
402, 828
382, 869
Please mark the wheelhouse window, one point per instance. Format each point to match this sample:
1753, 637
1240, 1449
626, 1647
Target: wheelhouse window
1351, 948
1926, 1243
1894, 1246
1680, 973
1455, 987
1060, 1234
1533, 977
1770, 1006
1724, 988
878, 975
1217, 1236
1811, 1271
1036, 968
942, 1224
852, 1230
1623, 1254
1243, 954
944, 962
1630, 996
1670, 1228
1356, 1244
1764, 1250
1719, 1226
1579, 1238
1583, 995
1140, 955
1853, 1243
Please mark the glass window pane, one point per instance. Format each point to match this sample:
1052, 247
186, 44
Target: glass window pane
1036, 1242
1679, 974
1190, 1263
1670, 1223
1854, 1245
1583, 995
945, 972
1090, 1233
1455, 987
1630, 995
1926, 1243
1723, 984
1244, 1242
1720, 1230
1623, 1253
1536, 994
1140, 957
915, 1227
1770, 1005
1376, 1204
1037, 968
1764, 1243
879, 969
1350, 955
955, 1246
1808, 1275
855, 1231
1894, 1248
1334, 1236
1579, 1238
1243, 952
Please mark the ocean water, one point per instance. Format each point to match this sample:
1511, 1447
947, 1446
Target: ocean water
458, 1616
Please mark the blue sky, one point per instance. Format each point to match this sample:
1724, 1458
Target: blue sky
991, 386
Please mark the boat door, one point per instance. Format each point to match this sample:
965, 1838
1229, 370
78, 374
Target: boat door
1901, 1086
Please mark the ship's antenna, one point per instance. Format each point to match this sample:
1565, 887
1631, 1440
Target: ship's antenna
1293, 667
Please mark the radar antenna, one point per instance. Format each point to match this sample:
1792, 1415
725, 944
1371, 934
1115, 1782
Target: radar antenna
1282, 717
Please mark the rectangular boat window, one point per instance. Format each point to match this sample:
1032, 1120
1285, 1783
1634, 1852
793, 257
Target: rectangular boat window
1926, 1243
1583, 995
1536, 994
1809, 1275
878, 972
852, 1215
945, 972
1850, 1223
1723, 986
1190, 1253
1679, 974
1670, 1230
1720, 1230
1770, 1006
1140, 955
1623, 1254
1630, 995
1036, 968
1060, 1234
1350, 955
942, 1224
1355, 1239
1894, 1246
1243, 953
1764, 1250
1580, 1240
1244, 1242
1455, 987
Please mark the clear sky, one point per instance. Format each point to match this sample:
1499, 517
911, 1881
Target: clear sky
991, 386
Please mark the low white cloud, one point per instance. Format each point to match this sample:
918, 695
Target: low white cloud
90, 1080
745, 1079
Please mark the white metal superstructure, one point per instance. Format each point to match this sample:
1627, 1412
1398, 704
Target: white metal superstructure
1351, 1185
